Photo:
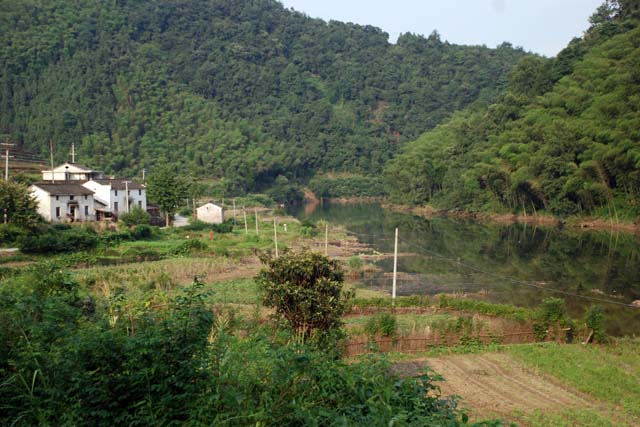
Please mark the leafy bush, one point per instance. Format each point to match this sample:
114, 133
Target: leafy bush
306, 291
136, 216
383, 324
197, 225
12, 233
190, 246
57, 240
594, 318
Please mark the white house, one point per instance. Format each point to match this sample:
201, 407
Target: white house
64, 202
211, 213
117, 195
70, 172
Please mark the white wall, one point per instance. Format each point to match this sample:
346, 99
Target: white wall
210, 213
47, 205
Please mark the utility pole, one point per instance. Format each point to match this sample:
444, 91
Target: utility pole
6, 158
73, 152
53, 179
275, 234
143, 172
395, 269
255, 210
126, 193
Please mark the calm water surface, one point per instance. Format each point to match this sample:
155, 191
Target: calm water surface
516, 264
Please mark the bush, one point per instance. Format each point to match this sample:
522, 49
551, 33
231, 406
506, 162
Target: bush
383, 324
12, 233
189, 247
197, 225
348, 186
58, 240
594, 318
136, 216
306, 291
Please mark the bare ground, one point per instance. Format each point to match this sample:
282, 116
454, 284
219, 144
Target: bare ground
496, 384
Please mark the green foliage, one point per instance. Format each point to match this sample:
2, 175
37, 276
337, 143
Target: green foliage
136, 216
50, 240
383, 324
558, 145
239, 92
12, 233
72, 360
594, 319
305, 289
190, 246
166, 189
551, 314
355, 263
19, 206
225, 227
347, 186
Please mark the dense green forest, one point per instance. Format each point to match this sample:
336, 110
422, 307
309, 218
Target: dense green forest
241, 90
563, 138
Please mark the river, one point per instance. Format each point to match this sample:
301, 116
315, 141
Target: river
513, 264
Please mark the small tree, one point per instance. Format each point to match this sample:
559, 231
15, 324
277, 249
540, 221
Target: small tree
19, 206
306, 290
136, 216
166, 189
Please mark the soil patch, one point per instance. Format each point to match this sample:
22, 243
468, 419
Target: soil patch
495, 383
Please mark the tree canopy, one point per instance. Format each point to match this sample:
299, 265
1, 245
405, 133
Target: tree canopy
242, 91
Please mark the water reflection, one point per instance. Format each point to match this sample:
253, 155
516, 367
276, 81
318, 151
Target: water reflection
516, 263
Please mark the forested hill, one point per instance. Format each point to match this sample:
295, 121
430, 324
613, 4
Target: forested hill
245, 90
563, 138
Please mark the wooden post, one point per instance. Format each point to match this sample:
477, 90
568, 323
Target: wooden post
255, 211
246, 229
395, 269
326, 239
275, 235
234, 211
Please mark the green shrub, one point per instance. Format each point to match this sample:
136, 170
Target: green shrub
348, 186
355, 263
197, 225
305, 289
136, 216
383, 324
12, 233
190, 246
59, 239
594, 318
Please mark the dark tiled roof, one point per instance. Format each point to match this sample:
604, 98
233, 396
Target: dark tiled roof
64, 189
118, 184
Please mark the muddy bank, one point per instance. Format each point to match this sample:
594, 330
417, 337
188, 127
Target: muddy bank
546, 220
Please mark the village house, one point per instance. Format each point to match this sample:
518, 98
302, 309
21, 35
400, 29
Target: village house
210, 213
71, 172
72, 192
117, 195
64, 201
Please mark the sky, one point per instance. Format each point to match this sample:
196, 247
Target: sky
540, 26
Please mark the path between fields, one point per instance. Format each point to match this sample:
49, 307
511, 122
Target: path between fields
495, 383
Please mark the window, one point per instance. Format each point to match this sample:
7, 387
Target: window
57, 197
116, 191
139, 192
85, 197
140, 204
58, 212
86, 210
70, 197
115, 206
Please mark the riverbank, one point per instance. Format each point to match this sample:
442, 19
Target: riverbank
544, 220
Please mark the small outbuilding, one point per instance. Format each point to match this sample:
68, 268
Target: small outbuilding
210, 213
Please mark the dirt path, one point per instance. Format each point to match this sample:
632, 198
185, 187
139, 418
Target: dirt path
495, 383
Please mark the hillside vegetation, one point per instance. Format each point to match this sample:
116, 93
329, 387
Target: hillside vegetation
244, 91
563, 138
